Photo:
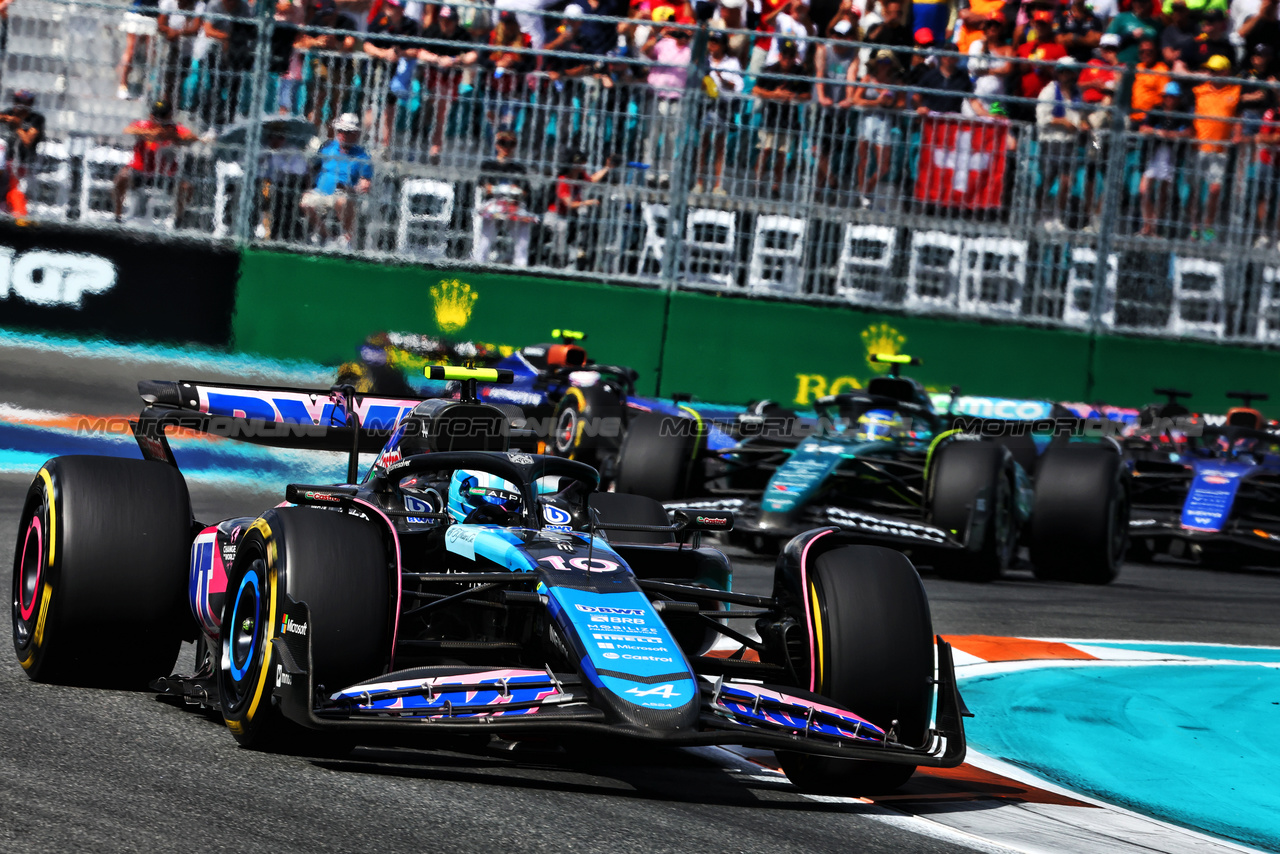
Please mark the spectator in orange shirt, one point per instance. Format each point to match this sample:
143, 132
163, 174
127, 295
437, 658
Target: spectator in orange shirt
1149, 83
1217, 102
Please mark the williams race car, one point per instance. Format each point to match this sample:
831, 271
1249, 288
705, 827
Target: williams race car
464, 588
1205, 487
957, 492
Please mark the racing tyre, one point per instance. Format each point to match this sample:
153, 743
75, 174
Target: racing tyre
1080, 519
873, 655
583, 429
100, 572
337, 566
963, 473
655, 462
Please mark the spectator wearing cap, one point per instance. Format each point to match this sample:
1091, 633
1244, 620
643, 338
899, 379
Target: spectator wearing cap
1098, 81
331, 76
1079, 31
877, 105
974, 15
505, 71
724, 85
1166, 130
990, 66
783, 88
948, 85
1261, 28
1098, 77
1149, 81
1041, 45
1267, 144
671, 50
23, 131
450, 50
566, 215
920, 63
835, 64
795, 24
1217, 103
154, 164
346, 172
505, 192
1060, 115
731, 15
395, 61
1212, 42
1133, 26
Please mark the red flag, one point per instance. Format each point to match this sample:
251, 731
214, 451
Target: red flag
962, 162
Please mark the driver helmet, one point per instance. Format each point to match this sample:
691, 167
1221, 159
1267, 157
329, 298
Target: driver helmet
880, 425
469, 489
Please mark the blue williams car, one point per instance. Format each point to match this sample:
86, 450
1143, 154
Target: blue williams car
464, 589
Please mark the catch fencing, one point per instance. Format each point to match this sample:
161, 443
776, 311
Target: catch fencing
630, 170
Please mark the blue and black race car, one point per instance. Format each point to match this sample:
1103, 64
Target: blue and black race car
1205, 487
958, 492
465, 589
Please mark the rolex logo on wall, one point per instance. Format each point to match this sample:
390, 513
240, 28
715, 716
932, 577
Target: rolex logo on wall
453, 301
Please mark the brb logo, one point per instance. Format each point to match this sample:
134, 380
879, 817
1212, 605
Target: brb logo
49, 278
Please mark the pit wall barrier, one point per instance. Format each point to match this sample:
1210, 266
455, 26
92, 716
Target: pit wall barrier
718, 348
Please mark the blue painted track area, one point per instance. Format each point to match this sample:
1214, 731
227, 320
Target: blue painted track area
1191, 743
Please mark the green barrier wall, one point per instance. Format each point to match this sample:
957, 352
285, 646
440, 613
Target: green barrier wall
718, 348
291, 306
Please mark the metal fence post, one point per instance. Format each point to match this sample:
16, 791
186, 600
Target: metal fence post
244, 224
687, 141
1112, 186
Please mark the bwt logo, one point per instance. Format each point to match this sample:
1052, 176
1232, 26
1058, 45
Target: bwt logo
50, 278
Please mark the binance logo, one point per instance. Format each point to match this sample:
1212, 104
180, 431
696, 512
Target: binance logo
882, 338
453, 303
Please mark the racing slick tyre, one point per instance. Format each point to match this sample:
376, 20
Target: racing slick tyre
656, 462
588, 424
1080, 518
337, 566
872, 654
961, 472
102, 553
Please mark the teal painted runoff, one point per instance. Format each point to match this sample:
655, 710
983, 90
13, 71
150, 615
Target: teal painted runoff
1260, 654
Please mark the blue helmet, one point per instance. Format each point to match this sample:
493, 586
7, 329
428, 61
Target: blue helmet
469, 490
880, 425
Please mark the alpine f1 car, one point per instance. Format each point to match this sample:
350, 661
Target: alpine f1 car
575, 407
465, 588
1204, 486
957, 492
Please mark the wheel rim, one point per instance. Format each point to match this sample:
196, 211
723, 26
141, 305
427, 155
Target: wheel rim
240, 636
566, 430
28, 576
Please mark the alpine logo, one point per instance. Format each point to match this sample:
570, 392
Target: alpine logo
604, 609
288, 626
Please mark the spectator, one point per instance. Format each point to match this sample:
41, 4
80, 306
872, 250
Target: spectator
725, 75
1097, 86
972, 19
1061, 118
1167, 127
283, 172
1267, 141
136, 28
989, 71
1041, 45
282, 65
331, 76
504, 196
1259, 97
793, 24
1261, 28
177, 24
1149, 83
23, 132
1178, 34
1217, 103
875, 130
667, 82
1079, 31
1098, 77
450, 51
731, 15
1133, 27
153, 163
836, 64
948, 83
568, 205
783, 88
769, 10
920, 63
599, 37
224, 47
1213, 42
346, 172
392, 77
893, 31
505, 71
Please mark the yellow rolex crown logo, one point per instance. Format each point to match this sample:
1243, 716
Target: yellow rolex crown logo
882, 338
453, 301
